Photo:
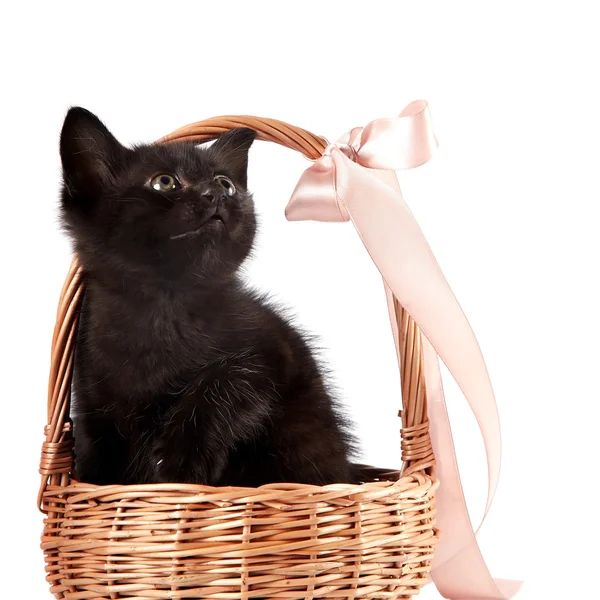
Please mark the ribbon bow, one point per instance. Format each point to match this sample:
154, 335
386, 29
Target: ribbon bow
355, 181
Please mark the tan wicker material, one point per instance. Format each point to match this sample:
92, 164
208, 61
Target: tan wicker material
284, 541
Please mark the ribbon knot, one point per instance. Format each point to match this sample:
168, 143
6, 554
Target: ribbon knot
347, 150
355, 181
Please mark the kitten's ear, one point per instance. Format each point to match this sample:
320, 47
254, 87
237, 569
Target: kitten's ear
89, 152
232, 148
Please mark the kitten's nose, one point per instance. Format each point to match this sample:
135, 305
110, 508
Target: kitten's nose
212, 193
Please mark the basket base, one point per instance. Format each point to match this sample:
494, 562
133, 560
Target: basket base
279, 541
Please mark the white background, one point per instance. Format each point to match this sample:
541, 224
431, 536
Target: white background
509, 205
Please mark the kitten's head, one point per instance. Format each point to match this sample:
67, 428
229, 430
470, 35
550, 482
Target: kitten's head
162, 211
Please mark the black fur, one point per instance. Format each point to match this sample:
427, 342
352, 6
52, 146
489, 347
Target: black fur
182, 374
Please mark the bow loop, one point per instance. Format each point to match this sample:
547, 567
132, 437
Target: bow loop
405, 142
315, 197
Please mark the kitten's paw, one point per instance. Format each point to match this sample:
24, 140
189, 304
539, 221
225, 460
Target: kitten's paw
167, 462
177, 462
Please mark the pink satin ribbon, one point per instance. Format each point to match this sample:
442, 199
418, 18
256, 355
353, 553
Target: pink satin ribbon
355, 181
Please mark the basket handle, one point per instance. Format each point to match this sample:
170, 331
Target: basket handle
57, 451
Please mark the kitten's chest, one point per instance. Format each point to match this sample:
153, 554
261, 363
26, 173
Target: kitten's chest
139, 354
140, 349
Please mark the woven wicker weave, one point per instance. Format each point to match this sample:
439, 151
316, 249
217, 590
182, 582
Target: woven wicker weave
284, 541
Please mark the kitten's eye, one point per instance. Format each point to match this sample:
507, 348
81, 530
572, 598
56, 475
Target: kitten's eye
165, 183
226, 184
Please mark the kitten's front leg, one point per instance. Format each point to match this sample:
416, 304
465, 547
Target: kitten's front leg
202, 427
100, 451
188, 448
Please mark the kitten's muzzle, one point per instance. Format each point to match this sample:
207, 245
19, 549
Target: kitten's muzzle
218, 215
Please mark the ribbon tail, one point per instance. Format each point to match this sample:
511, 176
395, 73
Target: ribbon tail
458, 570
401, 253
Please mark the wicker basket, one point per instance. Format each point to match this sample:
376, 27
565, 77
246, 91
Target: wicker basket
374, 540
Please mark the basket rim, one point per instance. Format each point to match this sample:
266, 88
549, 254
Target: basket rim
286, 496
271, 487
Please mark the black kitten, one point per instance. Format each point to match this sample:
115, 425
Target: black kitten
182, 374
